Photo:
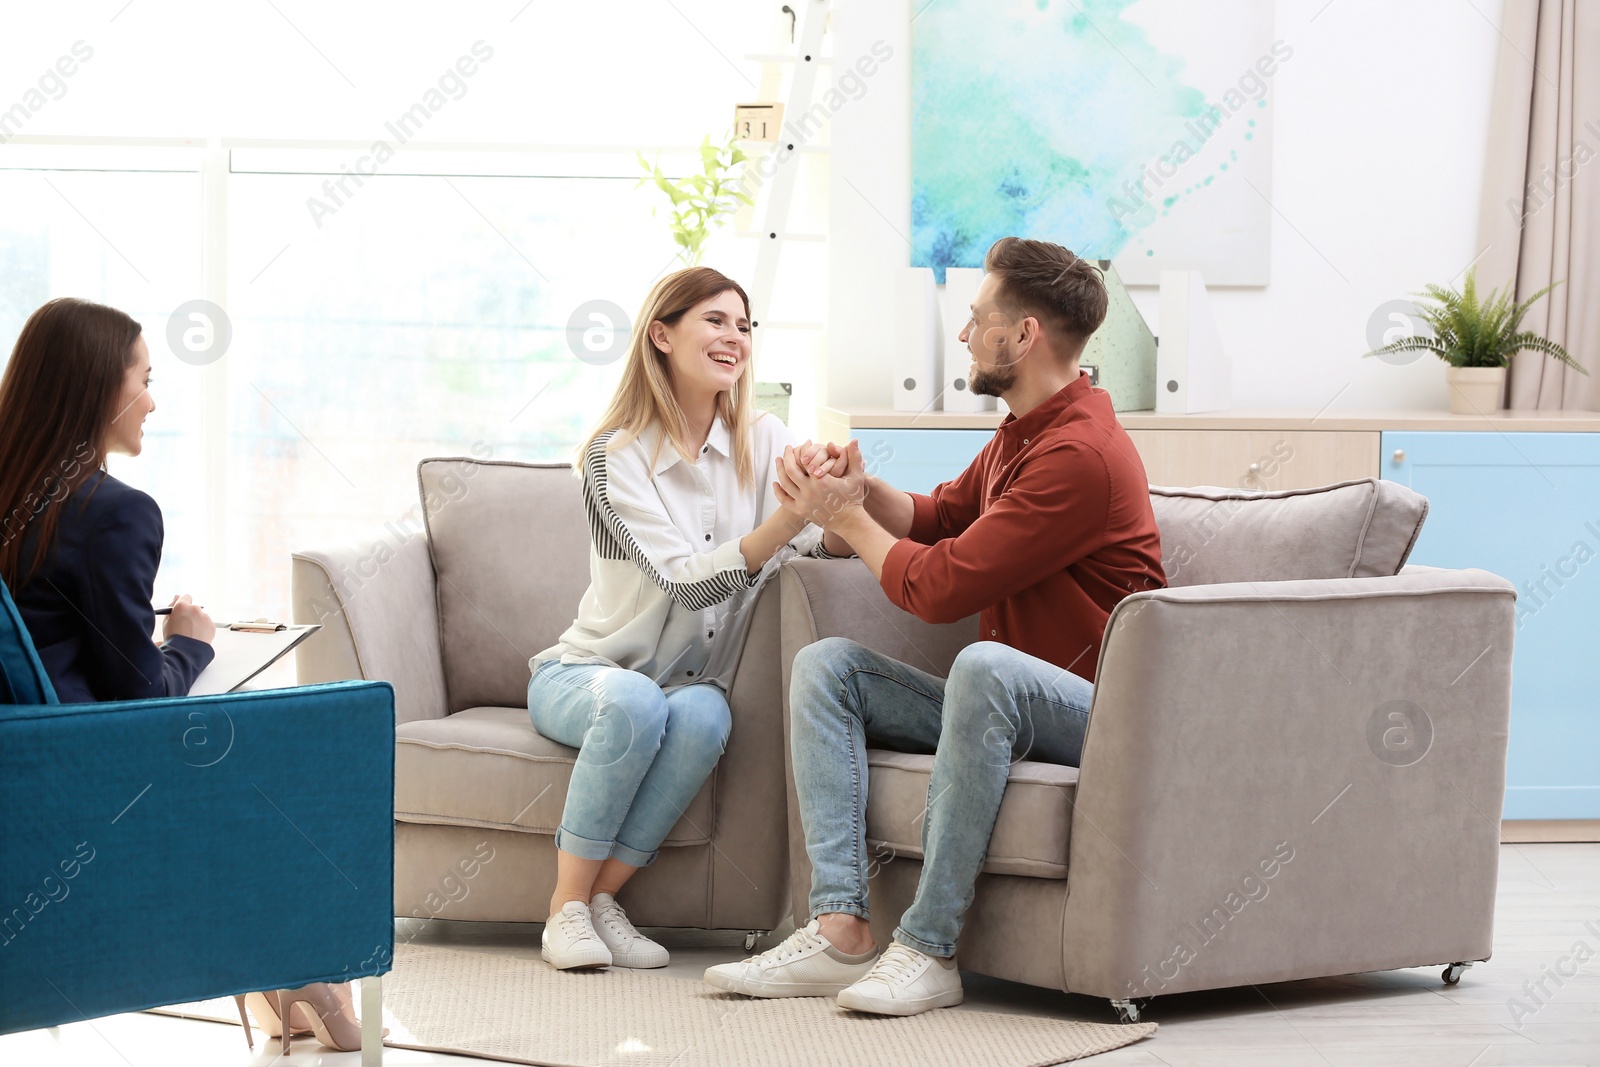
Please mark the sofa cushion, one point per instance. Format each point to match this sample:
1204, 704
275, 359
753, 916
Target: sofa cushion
510, 549
489, 767
1030, 836
1355, 529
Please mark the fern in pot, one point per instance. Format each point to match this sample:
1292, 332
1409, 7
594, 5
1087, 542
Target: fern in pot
1477, 337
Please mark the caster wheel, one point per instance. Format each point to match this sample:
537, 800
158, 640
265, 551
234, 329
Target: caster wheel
1128, 1010
750, 939
1452, 974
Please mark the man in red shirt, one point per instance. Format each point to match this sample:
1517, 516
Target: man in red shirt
1041, 536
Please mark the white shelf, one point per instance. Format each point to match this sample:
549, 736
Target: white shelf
817, 237
780, 57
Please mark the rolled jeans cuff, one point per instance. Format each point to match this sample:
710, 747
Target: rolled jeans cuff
632, 856
841, 908
582, 847
927, 948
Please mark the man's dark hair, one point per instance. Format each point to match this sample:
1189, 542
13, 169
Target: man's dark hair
1050, 283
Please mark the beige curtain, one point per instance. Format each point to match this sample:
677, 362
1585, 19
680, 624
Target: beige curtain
1540, 219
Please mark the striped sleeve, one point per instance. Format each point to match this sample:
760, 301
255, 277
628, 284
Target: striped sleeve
819, 552
628, 522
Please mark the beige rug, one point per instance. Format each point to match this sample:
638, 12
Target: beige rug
524, 1011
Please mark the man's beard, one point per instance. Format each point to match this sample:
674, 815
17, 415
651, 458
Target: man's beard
993, 381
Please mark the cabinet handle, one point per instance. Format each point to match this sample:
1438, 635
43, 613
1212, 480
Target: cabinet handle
1399, 456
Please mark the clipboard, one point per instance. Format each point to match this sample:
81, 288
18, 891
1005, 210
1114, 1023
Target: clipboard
243, 654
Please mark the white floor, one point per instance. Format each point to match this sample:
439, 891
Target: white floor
1548, 893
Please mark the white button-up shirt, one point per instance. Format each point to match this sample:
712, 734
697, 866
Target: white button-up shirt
670, 592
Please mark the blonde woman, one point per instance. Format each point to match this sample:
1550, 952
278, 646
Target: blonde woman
684, 528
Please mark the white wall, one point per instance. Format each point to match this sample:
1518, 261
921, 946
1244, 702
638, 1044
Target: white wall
1381, 129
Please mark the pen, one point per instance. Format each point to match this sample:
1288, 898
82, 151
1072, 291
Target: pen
168, 611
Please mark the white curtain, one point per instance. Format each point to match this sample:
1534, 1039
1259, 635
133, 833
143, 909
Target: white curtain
1540, 218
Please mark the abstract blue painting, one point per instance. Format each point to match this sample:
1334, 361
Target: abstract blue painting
1132, 130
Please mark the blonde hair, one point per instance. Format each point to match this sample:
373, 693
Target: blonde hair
644, 398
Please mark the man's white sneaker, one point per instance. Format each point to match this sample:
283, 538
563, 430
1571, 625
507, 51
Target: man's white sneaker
570, 941
905, 982
629, 948
803, 966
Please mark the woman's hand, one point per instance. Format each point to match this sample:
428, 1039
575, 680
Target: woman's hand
821, 499
820, 459
187, 620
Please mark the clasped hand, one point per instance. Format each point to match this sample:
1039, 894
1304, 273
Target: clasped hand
821, 482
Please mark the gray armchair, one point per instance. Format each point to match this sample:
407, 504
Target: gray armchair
451, 619
1294, 767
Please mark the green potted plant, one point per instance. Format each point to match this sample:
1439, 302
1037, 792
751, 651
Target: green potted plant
1477, 338
701, 202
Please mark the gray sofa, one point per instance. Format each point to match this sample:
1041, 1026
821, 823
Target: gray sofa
451, 619
1294, 766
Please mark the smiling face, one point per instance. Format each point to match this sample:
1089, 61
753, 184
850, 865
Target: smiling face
993, 341
708, 348
134, 403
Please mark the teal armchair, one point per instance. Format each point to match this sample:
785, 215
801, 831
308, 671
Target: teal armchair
162, 851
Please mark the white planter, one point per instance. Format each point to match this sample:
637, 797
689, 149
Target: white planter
1475, 390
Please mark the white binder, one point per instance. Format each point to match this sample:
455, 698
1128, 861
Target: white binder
1193, 373
955, 308
915, 364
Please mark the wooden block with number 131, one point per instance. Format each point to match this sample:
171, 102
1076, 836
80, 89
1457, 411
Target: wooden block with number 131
757, 122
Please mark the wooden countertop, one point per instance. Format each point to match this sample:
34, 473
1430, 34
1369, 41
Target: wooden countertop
865, 418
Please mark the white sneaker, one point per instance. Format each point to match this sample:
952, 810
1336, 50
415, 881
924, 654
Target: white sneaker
629, 948
905, 982
800, 967
570, 941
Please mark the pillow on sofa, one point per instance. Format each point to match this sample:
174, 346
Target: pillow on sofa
510, 547
1354, 529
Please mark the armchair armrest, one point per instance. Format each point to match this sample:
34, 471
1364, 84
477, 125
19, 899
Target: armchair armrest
1284, 780
841, 598
750, 858
380, 620
251, 834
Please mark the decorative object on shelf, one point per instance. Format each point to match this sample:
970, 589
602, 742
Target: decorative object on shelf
773, 397
701, 202
915, 362
1193, 373
1121, 355
1477, 338
757, 122
960, 289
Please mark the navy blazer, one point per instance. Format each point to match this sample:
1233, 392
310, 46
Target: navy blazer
88, 606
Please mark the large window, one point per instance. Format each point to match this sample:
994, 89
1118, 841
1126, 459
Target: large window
452, 299
72, 233
429, 317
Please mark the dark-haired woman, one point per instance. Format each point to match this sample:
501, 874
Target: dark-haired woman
78, 548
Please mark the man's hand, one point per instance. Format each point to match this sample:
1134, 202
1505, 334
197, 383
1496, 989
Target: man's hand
837, 504
823, 458
821, 498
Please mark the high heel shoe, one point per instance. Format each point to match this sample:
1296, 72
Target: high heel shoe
318, 1007
261, 1006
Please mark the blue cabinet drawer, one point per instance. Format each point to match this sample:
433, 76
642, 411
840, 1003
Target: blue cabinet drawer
1526, 506
918, 460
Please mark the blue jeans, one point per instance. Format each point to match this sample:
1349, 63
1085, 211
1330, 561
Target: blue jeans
998, 706
642, 754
